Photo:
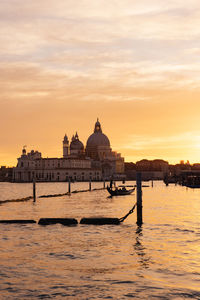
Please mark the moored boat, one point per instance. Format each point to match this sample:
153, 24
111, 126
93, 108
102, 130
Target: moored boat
192, 181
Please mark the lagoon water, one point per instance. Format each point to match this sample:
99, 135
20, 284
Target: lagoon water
160, 260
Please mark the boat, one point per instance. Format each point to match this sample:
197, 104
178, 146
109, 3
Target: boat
193, 186
192, 181
120, 190
170, 179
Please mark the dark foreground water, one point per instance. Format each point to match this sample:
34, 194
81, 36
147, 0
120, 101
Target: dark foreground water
160, 260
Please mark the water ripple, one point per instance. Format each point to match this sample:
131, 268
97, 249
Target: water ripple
159, 260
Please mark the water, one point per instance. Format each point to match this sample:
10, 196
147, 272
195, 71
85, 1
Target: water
160, 260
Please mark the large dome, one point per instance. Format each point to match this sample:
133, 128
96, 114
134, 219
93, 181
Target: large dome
98, 138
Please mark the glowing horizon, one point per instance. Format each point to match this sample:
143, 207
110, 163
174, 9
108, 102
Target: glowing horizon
135, 65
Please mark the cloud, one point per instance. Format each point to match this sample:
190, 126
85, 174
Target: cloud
138, 59
182, 140
182, 146
133, 43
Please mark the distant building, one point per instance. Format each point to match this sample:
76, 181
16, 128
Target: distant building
96, 162
5, 173
152, 165
196, 166
150, 169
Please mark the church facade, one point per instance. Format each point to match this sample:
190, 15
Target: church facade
96, 161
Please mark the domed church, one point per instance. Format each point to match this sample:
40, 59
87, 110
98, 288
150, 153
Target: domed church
98, 150
96, 161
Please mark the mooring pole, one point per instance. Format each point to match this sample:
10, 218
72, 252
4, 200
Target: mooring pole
139, 198
90, 185
69, 186
34, 190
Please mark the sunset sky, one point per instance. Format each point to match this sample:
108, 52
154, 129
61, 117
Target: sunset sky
133, 64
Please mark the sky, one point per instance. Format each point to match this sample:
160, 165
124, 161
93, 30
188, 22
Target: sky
133, 64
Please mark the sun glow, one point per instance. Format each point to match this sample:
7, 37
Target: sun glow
68, 64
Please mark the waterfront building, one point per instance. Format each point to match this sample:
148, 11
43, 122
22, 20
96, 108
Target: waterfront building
155, 169
95, 162
158, 165
5, 173
32, 165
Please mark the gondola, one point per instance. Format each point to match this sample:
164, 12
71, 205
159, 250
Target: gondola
120, 191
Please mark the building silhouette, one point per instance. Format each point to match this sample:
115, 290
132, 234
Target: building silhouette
96, 161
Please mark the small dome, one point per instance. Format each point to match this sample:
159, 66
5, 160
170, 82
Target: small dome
76, 144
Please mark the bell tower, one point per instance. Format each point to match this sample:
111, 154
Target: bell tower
65, 146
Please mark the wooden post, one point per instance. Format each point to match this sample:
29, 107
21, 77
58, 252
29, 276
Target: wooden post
152, 183
69, 186
139, 199
104, 184
90, 185
34, 190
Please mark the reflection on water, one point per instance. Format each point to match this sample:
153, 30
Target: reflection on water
160, 259
143, 258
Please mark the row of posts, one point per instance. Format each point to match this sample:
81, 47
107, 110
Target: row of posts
90, 186
69, 187
139, 195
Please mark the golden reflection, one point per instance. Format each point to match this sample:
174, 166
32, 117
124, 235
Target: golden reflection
143, 259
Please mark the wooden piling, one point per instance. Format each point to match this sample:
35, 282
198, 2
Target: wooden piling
139, 198
152, 183
104, 184
90, 185
34, 190
69, 186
